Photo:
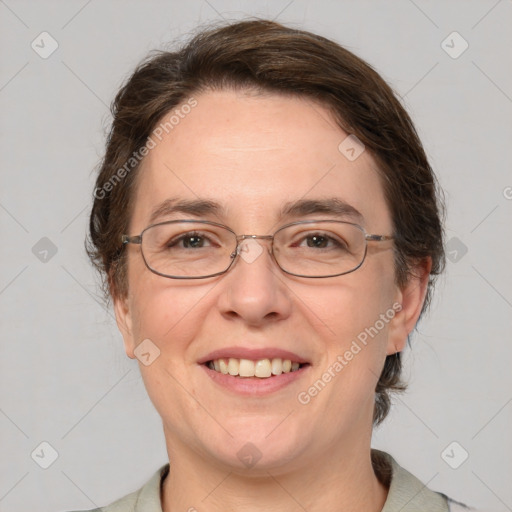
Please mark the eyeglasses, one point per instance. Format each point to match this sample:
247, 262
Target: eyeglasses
191, 249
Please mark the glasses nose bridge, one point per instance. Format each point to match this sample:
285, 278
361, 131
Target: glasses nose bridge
241, 238
261, 237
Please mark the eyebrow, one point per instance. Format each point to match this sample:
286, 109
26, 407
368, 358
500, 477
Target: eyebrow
194, 207
332, 206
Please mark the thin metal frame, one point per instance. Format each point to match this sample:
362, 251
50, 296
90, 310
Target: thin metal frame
137, 239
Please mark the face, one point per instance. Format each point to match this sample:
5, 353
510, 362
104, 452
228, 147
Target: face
253, 154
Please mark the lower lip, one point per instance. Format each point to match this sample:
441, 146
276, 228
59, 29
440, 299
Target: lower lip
255, 386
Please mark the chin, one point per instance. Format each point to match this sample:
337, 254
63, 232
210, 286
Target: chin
257, 450
255, 460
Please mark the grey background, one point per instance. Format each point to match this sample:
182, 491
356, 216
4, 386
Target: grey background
64, 378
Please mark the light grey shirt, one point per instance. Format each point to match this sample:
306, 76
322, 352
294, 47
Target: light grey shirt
406, 493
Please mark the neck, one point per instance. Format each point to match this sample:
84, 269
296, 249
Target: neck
338, 480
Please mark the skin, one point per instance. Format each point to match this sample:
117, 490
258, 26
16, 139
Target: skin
253, 153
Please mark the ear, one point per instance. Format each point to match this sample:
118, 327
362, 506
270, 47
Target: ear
411, 298
125, 324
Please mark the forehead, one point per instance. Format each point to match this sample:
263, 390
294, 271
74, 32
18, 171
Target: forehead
254, 154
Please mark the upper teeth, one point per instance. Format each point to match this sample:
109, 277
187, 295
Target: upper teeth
247, 368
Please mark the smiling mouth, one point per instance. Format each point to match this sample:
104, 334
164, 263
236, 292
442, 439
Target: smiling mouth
261, 368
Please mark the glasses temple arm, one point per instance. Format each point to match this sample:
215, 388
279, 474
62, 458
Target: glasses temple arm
378, 238
127, 239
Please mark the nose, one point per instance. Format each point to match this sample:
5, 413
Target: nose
254, 290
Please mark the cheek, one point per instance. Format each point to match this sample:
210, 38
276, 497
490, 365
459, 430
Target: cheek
166, 311
355, 302
354, 338
355, 312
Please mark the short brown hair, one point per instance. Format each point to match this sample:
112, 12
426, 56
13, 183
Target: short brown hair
269, 57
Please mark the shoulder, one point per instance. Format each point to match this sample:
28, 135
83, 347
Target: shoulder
455, 506
406, 492
146, 499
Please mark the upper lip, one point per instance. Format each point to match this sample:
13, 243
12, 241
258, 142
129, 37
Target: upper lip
254, 354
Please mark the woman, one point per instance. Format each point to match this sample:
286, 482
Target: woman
269, 230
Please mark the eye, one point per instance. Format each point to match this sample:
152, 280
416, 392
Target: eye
320, 240
191, 240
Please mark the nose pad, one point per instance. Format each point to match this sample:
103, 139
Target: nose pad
250, 250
